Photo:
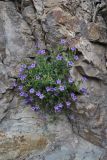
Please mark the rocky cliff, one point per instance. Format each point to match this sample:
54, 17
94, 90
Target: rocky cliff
25, 24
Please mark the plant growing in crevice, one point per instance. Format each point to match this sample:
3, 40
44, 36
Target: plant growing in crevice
46, 84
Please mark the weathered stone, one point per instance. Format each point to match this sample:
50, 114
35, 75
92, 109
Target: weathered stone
58, 23
26, 3
14, 40
39, 5
26, 134
92, 53
97, 33
29, 14
33, 136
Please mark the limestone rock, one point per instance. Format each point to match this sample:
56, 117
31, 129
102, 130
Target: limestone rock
33, 136
28, 135
97, 33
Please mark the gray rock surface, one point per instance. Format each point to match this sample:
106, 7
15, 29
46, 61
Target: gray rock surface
25, 135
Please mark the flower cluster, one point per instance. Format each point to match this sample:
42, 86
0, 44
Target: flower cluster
46, 84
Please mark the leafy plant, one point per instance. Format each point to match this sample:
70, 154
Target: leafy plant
47, 84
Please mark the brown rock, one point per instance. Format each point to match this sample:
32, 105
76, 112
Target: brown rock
97, 33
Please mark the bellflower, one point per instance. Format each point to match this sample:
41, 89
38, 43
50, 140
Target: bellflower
68, 104
61, 88
21, 69
70, 63
25, 95
73, 49
73, 96
33, 65
35, 108
20, 87
59, 57
31, 90
48, 89
63, 41
38, 93
23, 77
46, 83
54, 89
41, 51
58, 81
58, 107
76, 57
22, 94
70, 80
41, 96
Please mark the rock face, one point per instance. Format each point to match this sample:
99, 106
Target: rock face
25, 135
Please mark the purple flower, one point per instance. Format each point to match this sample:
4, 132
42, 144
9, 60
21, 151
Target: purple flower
70, 80
74, 97
25, 95
41, 96
31, 90
21, 69
83, 90
68, 104
38, 93
70, 63
22, 77
41, 51
54, 89
20, 87
73, 49
58, 107
59, 57
33, 65
72, 94
61, 88
48, 89
63, 41
35, 108
58, 81
76, 57
22, 94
